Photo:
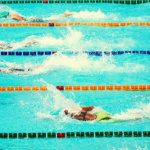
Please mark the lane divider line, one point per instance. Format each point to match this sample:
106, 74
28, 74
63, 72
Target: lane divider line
101, 134
90, 53
22, 88
72, 1
77, 88
66, 24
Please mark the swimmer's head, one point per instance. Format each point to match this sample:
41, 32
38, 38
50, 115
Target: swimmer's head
66, 112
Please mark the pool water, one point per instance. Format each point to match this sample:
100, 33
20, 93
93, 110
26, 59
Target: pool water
43, 111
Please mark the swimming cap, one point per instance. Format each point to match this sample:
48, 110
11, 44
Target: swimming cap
4, 14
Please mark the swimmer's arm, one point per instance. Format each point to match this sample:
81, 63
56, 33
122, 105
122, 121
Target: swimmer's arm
78, 117
87, 108
5, 46
4, 71
17, 17
67, 14
30, 43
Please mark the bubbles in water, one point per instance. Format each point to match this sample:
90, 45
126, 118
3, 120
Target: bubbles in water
141, 112
73, 40
82, 63
94, 15
59, 103
84, 15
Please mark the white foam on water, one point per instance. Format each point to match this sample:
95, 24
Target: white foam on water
73, 40
142, 111
94, 15
82, 63
58, 104
45, 116
79, 63
7, 64
61, 102
56, 17
70, 41
138, 18
84, 15
27, 42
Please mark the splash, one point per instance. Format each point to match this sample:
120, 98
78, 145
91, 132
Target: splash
94, 15
28, 42
73, 40
83, 64
57, 105
60, 102
80, 63
68, 41
141, 112
84, 15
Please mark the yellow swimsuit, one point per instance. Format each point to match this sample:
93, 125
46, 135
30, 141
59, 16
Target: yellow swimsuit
102, 116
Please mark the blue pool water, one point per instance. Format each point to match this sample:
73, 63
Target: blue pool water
43, 111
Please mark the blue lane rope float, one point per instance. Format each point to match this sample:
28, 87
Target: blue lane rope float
27, 53
101, 134
73, 1
90, 53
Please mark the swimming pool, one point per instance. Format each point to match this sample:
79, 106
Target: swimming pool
37, 111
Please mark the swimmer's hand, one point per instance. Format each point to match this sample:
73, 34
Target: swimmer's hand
87, 108
67, 14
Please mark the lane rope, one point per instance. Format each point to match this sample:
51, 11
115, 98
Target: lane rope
66, 24
39, 135
77, 88
91, 53
72, 1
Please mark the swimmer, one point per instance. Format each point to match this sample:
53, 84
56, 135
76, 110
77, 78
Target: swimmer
29, 43
12, 70
8, 46
51, 19
17, 17
86, 114
14, 16
4, 46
